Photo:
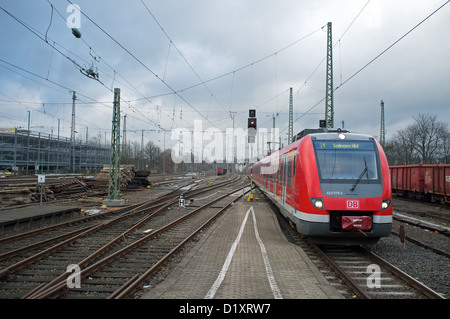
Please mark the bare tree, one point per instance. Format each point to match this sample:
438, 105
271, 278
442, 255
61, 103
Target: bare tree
425, 141
429, 132
404, 143
152, 154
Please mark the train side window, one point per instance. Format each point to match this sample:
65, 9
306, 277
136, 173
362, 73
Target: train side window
281, 174
295, 160
276, 177
289, 171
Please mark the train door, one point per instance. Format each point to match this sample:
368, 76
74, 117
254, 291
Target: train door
272, 180
283, 178
289, 180
279, 187
280, 180
294, 164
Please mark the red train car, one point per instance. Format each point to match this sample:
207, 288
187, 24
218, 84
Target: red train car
422, 181
334, 186
221, 171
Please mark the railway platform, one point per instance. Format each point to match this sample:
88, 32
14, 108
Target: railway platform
244, 255
13, 219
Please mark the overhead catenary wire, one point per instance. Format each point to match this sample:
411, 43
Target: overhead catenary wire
177, 92
97, 58
393, 44
156, 123
45, 39
142, 63
373, 59
202, 81
90, 48
182, 55
171, 51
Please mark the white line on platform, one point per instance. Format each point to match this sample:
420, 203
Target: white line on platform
270, 276
273, 283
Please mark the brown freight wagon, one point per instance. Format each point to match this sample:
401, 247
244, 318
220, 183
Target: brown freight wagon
422, 181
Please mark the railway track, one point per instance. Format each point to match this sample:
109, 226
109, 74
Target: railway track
121, 273
356, 271
84, 246
371, 277
22, 245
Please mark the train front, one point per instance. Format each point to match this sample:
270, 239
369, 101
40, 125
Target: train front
354, 189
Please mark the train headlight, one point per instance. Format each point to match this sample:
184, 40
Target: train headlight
385, 204
317, 202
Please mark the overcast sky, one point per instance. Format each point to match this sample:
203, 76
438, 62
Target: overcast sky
177, 61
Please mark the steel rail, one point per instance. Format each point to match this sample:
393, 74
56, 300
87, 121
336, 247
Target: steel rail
171, 200
5, 272
361, 292
133, 284
135, 209
102, 250
50, 290
430, 293
423, 245
84, 219
348, 280
23, 249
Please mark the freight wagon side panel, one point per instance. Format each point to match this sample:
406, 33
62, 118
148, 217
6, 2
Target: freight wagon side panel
417, 179
447, 183
394, 181
433, 183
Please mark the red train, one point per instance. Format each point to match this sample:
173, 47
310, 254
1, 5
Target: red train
221, 171
430, 182
333, 185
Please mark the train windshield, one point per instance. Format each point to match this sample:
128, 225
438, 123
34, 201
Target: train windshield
347, 161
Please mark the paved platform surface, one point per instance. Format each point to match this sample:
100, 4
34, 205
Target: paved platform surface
22, 213
21, 218
245, 255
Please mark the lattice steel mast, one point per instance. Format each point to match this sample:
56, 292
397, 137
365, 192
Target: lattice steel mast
382, 127
291, 118
72, 134
329, 108
114, 170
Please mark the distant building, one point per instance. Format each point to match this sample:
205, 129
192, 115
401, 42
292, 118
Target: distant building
30, 152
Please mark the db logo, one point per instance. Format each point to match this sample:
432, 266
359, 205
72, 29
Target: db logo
353, 204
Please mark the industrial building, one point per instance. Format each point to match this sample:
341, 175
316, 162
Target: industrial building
26, 152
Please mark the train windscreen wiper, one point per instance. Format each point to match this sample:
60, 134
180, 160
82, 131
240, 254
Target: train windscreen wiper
360, 175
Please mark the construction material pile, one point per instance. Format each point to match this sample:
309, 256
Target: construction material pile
71, 189
19, 192
128, 175
25, 193
139, 180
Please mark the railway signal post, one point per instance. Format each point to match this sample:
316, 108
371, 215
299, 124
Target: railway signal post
250, 196
181, 202
251, 126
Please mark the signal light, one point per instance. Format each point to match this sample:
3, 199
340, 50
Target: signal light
252, 123
322, 123
251, 129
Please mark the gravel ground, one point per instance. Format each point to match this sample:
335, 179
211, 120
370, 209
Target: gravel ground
426, 266
431, 269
